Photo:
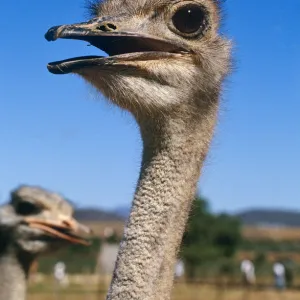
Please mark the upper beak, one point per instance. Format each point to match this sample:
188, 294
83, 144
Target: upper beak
65, 228
109, 36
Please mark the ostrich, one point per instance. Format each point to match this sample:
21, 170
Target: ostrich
35, 221
166, 64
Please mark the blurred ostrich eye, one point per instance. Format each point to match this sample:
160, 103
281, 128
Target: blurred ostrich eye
190, 19
27, 208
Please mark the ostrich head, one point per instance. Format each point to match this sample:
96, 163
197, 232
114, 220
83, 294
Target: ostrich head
164, 56
36, 221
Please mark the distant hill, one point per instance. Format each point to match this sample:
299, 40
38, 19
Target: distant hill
95, 214
122, 211
270, 218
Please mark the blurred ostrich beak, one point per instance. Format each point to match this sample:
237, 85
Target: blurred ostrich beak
66, 228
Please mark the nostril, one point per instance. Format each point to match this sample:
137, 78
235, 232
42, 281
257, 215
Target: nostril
102, 28
111, 26
107, 27
67, 223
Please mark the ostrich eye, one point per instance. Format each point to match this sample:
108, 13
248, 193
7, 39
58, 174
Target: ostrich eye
26, 208
190, 19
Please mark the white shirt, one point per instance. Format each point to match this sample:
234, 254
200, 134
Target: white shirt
278, 269
59, 271
179, 269
247, 266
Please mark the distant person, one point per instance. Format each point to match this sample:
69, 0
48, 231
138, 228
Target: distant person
179, 269
279, 275
60, 274
248, 272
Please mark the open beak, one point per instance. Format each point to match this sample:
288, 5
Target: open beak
117, 43
68, 229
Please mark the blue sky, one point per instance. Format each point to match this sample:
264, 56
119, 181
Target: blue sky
57, 133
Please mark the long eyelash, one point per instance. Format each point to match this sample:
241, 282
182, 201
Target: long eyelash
93, 7
219, 3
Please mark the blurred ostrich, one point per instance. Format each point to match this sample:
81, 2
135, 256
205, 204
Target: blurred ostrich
35, 221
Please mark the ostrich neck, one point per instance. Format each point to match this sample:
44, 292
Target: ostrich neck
174, 149
13, 275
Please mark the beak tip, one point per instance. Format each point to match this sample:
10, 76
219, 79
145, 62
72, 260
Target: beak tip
52, 68
52, 34
86, 230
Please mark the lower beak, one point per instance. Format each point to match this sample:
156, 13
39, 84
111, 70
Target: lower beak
68, 229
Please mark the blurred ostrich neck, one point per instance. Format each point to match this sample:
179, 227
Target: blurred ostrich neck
13, 274
174, 150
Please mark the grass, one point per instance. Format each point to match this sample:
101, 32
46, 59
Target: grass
85, 288
186, 292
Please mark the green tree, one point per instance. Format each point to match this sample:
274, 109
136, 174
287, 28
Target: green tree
289, 272
260, 261
208, 237
112, 239
226, 235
